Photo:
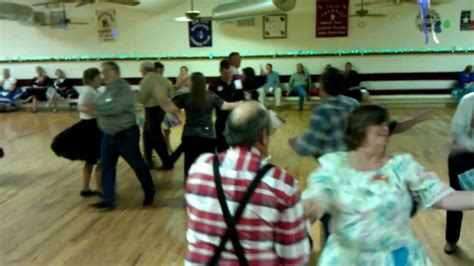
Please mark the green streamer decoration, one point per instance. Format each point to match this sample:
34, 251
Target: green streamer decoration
308, 53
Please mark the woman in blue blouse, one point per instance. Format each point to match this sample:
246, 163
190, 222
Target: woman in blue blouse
465, 83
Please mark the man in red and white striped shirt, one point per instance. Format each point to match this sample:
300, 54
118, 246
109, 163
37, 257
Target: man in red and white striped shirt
272, 229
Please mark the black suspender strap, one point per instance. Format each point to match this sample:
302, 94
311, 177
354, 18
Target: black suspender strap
231, 222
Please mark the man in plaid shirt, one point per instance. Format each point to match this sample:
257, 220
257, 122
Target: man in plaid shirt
272, 229
329, 120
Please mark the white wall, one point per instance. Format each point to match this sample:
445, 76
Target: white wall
143, 33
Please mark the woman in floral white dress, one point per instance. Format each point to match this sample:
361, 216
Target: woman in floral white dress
370, 194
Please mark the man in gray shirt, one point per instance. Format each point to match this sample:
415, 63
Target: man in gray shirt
116, 119
149, 96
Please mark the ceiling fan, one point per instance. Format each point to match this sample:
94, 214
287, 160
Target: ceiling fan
63, 21
400, 2
365, 13
192, 15
86, 2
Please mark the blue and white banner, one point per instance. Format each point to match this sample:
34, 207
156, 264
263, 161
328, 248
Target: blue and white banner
200, 33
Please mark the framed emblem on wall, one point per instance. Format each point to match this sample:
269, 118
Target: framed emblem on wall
200, 33
275, 26
107, 22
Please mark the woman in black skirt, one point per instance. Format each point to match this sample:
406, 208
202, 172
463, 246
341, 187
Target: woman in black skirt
37, 92
82, 140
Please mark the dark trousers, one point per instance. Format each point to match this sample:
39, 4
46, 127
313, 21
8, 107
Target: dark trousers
177, 153
125, 144
193, 147
458, 163
153, 138
221, 144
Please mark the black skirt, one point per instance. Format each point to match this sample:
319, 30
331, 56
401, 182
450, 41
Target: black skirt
79, 142
40, 94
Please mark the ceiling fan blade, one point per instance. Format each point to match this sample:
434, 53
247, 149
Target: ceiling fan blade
374, 3
78, 23
46, 3
53, 2
123, 2
376, 15
182, 19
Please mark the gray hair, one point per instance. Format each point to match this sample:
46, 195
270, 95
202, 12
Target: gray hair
6, 70
148, 66
245, 132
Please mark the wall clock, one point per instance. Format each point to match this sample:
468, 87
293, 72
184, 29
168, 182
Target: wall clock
275, 26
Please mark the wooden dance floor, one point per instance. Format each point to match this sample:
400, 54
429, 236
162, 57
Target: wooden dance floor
44, 221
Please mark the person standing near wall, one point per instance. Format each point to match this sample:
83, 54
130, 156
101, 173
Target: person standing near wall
116, 118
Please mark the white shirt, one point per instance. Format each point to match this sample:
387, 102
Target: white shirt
462, 125
8, 84
88, 95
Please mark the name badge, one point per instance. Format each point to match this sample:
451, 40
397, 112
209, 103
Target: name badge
238, 84
220, 88
108, 100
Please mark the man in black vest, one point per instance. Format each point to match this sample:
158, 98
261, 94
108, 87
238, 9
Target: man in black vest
224, 87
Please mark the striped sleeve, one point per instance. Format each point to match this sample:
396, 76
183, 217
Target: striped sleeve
292, 243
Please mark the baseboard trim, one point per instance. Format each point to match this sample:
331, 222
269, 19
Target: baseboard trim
399, 101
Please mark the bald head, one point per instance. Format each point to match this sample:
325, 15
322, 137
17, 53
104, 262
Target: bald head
247, 124
242, 113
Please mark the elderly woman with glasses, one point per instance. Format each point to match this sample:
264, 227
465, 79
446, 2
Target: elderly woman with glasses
370, 194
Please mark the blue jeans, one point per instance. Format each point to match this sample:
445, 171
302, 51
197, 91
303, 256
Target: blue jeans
125, 144
302, 92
